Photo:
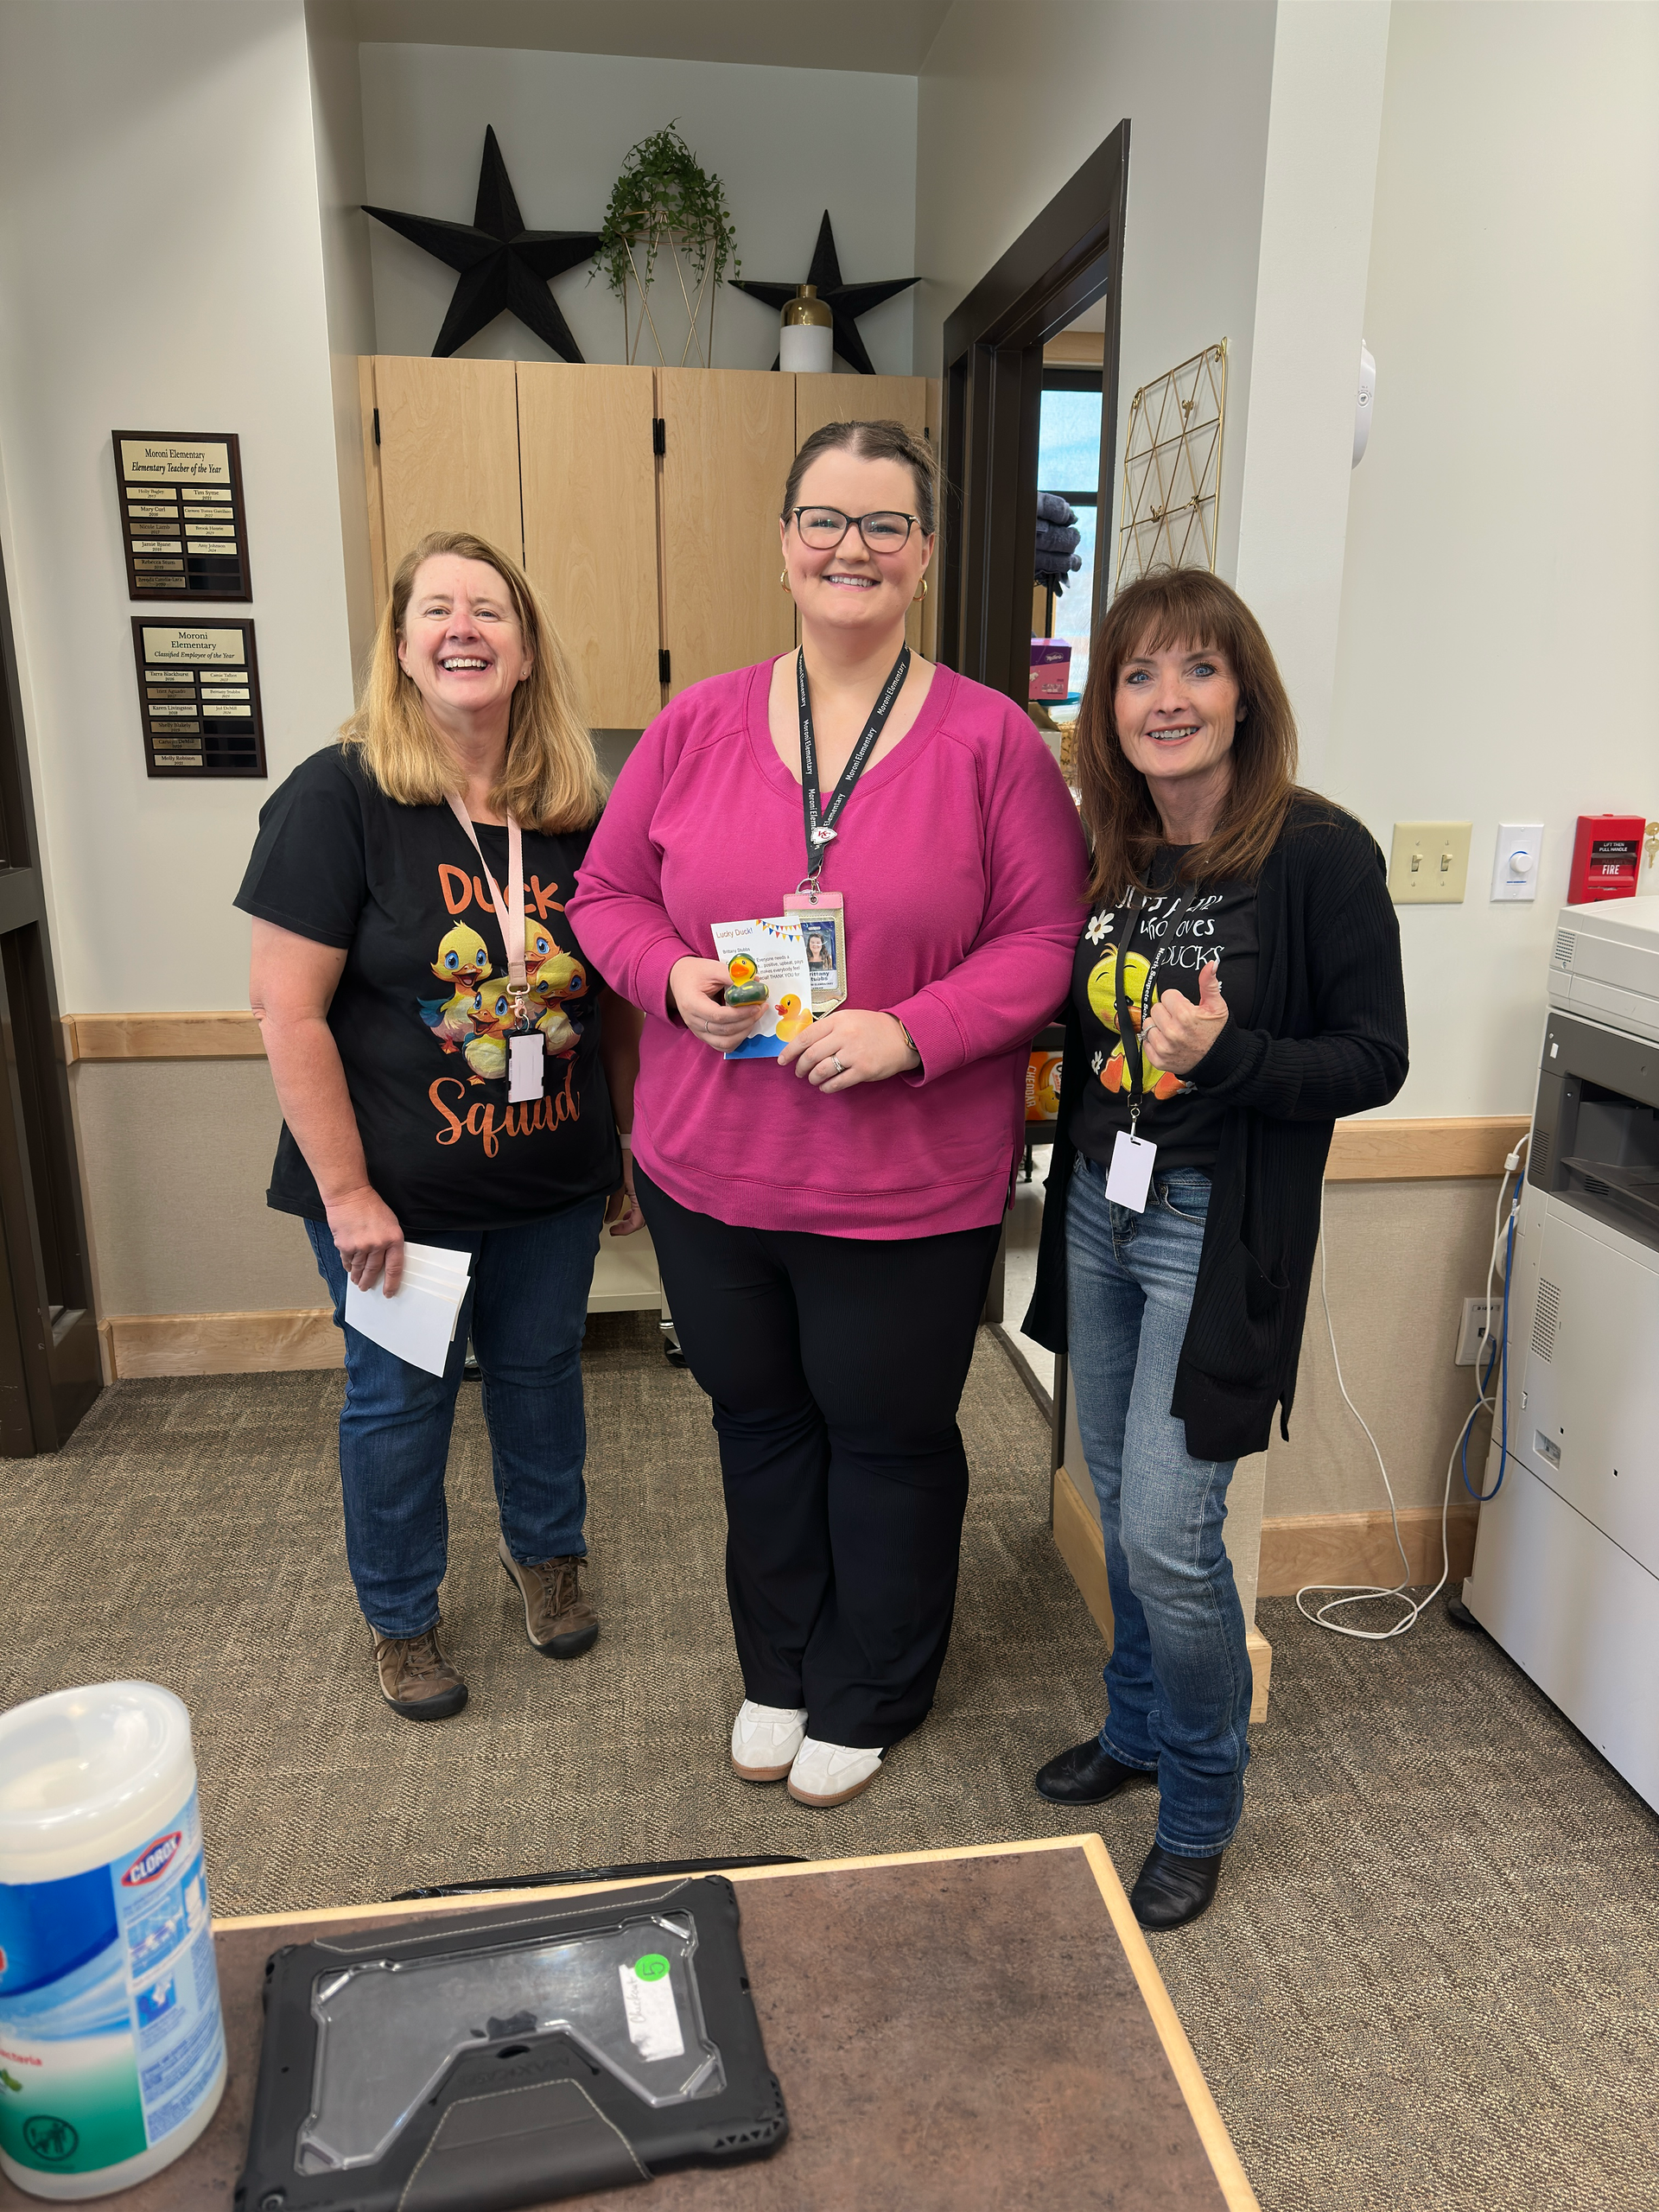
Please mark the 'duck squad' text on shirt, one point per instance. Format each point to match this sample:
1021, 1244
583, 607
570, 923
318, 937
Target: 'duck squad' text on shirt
421, 1015
1181, 929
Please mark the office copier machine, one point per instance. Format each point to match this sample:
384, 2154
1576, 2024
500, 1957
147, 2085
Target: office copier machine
1567, 1560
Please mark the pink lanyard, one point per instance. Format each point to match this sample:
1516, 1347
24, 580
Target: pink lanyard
510, 911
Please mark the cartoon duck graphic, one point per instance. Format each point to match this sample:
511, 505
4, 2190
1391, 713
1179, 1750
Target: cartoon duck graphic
1157, 1083
793, 1019
557, 983
491, 1008
463, 961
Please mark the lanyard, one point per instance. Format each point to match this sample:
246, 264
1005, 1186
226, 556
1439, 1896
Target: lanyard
505, 909
821, 820
1133, 1058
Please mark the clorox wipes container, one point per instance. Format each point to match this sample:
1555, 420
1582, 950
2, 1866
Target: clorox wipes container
111, 2045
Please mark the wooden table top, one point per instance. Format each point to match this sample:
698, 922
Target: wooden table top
955, 2031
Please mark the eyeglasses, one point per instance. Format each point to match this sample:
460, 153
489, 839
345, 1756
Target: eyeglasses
823, 528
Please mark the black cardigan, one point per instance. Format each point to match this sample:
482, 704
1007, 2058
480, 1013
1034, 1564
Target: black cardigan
1327, 1038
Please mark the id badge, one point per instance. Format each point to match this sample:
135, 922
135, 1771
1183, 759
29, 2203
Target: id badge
1129, 1177
524, 1065
824, 930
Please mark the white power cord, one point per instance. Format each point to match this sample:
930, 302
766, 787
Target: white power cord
1360, 1593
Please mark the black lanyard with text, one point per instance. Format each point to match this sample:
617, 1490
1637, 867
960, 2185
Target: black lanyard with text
821, 820
1133, 1056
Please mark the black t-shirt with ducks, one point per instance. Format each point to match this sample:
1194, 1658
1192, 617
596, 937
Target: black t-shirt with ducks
421, 1015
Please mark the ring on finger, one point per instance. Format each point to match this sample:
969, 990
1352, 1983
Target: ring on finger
839, 1069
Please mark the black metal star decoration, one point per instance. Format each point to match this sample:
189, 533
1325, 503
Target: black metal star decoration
503, 266
846, 302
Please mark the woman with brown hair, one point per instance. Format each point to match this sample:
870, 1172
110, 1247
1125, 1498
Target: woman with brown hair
450, 1071
1236, 988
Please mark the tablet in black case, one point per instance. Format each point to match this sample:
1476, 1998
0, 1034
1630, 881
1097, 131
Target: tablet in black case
493, 2059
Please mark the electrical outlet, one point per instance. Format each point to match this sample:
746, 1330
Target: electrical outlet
1429, 864
1480, 1316
1515, 860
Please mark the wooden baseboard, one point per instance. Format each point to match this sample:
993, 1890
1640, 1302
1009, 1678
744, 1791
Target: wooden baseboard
1080, 1544
220, 1343
1333, 1548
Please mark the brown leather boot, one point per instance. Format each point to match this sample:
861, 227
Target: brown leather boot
558, 1620
416, 1678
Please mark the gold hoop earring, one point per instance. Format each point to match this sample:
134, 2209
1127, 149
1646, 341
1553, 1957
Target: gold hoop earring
783, 579
922, 593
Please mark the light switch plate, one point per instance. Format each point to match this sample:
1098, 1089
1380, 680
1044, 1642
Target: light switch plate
1515, 859
1429, 864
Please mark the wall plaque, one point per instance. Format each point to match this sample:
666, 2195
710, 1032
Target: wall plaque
182, 519
199, 695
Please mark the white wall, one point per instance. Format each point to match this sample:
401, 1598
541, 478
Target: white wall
160, 269
1328, 64
1016, 94
786, 144
1501, 592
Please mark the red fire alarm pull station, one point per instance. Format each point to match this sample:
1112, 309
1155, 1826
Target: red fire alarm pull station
1606, 853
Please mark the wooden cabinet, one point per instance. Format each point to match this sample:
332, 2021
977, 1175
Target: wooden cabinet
728, 437
588, 475
643, 502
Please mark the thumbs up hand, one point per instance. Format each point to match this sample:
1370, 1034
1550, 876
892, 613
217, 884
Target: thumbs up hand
1178, 1033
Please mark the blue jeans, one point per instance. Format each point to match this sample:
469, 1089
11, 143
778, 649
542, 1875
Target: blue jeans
1178, 1683
526, 1309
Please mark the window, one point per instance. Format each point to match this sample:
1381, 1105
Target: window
1068, 461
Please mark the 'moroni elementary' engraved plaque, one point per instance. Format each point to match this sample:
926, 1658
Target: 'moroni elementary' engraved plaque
182, 520
199, 697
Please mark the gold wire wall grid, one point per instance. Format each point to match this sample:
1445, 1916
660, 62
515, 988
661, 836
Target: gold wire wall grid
645, 268
1172, 469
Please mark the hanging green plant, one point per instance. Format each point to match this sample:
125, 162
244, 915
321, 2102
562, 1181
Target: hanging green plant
664, 189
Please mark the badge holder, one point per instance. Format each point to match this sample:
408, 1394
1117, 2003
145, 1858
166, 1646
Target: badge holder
824, 930
1129, 1177
509, 2057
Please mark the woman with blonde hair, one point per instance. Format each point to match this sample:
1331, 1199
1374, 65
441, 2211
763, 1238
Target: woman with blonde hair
451, 1071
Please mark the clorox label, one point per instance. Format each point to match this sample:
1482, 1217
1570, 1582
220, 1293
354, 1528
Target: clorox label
154, 1859
110, 2034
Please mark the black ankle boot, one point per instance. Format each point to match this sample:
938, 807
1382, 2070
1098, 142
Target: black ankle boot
1085, 1776
1169, 1890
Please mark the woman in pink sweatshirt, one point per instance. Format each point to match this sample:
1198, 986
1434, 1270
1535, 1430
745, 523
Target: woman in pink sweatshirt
826, 1220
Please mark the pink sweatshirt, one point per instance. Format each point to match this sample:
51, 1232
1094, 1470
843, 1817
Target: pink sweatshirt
961, 861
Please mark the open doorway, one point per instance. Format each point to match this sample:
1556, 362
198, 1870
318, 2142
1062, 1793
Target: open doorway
1030, 406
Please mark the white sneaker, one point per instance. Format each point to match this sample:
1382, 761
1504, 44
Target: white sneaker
828, 1774
765, 1739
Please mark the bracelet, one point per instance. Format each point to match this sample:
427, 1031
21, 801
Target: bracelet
626, 1139
909, 1040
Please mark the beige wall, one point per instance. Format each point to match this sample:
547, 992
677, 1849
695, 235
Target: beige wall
1501, 575
176, 1156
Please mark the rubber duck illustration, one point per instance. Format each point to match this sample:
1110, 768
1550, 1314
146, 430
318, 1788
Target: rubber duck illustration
492, 1018
463, 961
559, 981
1157, 1083
792, 1020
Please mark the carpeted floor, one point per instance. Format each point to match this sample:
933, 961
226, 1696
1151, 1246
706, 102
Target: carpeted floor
1432, 1977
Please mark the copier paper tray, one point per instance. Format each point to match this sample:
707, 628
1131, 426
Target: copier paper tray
503, 2058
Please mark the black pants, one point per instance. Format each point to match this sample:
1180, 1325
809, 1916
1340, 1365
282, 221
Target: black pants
836, 1365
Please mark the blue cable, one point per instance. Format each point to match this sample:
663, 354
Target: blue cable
1498, 1351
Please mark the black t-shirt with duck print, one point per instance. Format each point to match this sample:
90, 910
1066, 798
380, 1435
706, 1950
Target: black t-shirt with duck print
1181, 927
421, 1015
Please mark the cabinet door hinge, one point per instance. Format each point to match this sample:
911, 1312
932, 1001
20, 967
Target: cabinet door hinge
658, 435
377, 426
663, 676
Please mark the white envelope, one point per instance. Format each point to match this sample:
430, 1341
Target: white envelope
418, 1324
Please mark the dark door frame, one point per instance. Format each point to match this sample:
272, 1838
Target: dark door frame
49, 1367
1063, 262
